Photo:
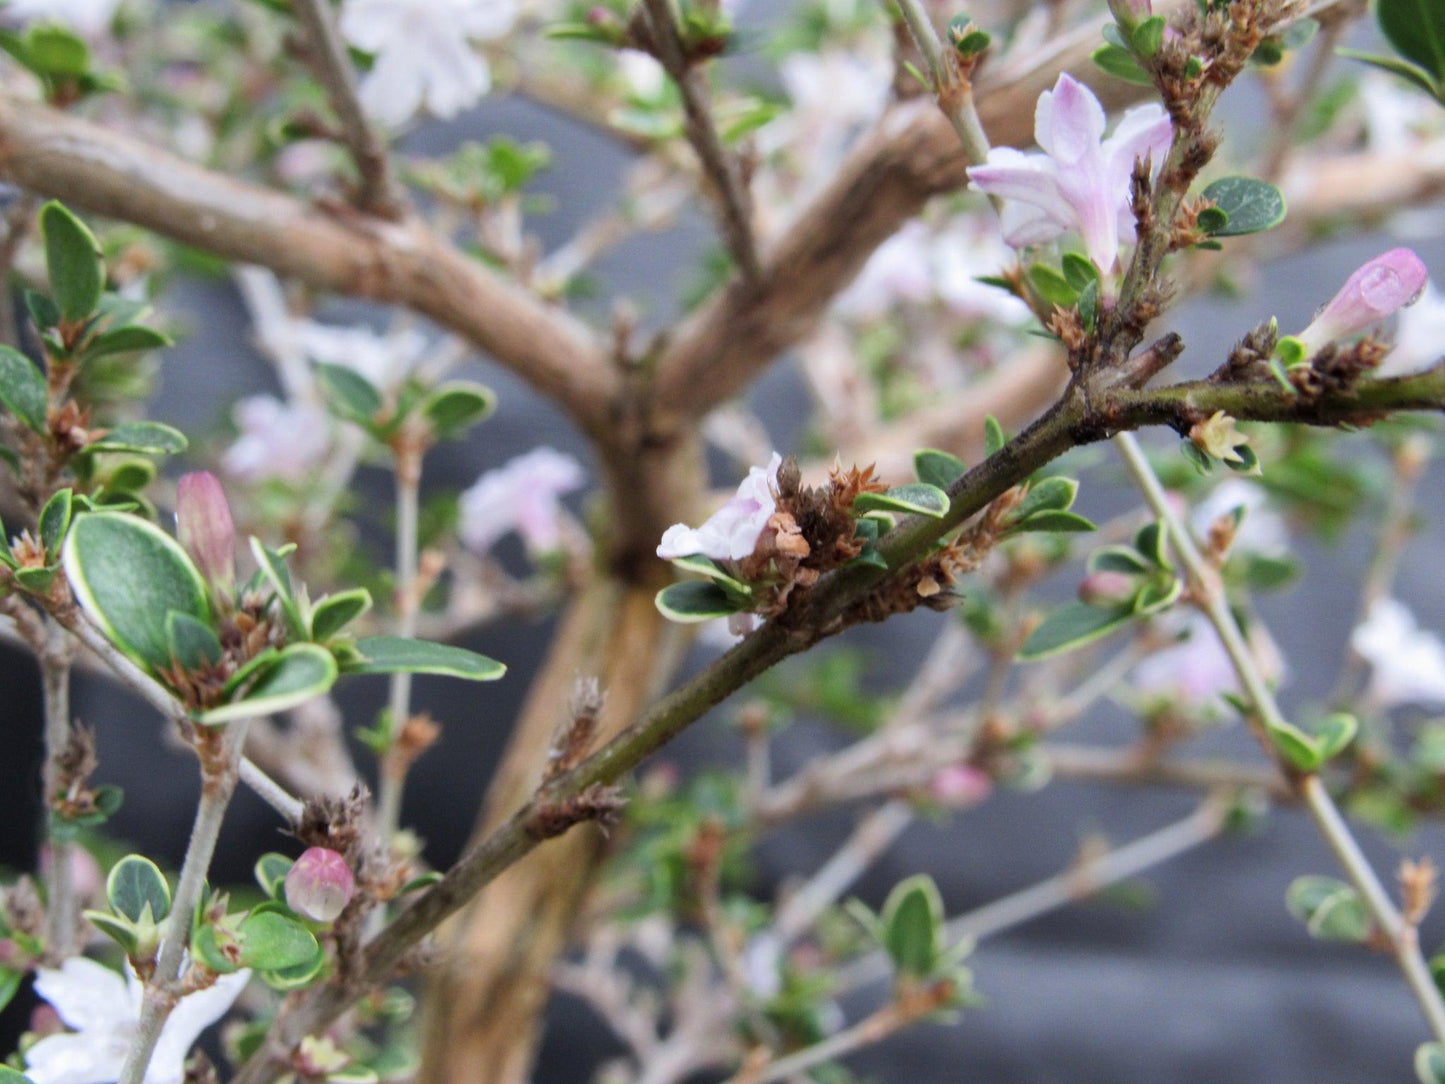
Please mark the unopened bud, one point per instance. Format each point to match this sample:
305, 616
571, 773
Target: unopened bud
1375, 292
203, 523
319, 885
1107, 588
960, 786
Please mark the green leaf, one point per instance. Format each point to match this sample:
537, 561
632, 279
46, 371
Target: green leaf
937, 468
1071, 627
42, 310
1079, 271
1416, 29
118, 930
35, 579
126, 340
1251, 205
1054, 494
1429, 1063
300, 672
55, 51
334, 612
22, 389
130, 476
349, 394
916, 497
249, 669
399, 655
270, 941
1089, 305
1056, 521
272, 566
1158, 595
1298, 748
55, 521
271, 869
136, 883
691, 601
1149, 36
1395, 66
152, 438
706, 566
1052, 286
993, 436
9, 984
1118, 559
128, 575
1333, 733
193, 643
912, 922
1341, 916
454, 408
1150, 541
1120, 63
72, 256
296, 977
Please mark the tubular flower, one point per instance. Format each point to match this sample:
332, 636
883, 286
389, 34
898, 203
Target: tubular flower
731, 533
1375, 292
1082, 181
205, 529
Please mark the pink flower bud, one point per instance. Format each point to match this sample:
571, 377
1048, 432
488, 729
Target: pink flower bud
319, 885
1107, 588
203, 522
960, 786
1375, 292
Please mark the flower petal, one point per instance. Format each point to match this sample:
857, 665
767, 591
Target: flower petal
1068, 120
77, 1058
87, 995
192, 1015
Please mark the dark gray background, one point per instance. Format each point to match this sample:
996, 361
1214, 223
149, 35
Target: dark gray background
1214, 983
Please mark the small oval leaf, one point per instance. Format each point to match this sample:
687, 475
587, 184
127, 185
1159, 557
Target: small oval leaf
134, 884
397, 654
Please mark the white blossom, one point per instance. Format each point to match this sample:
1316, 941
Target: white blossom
1407, 663
385, 360
424, 56
1194, 670
90, 17
731, 533
522, 496
103, 1010
278, 439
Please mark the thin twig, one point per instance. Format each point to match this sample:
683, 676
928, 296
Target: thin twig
61, 905
392, 778
379, 192
722, 168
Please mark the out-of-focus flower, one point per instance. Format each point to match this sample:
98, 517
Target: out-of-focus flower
522, 496
1082, 181
1262, 531
205, 529
104, 1009
423, 53
385, 360
1107, 589
731, 533
1420, 338
761, 958
86, 879
1194, 670
1407, 663
960, 786
1375, 292
643, 76
836, 87
90, 17
278, 440
319, 884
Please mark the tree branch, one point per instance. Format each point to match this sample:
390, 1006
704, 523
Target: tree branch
97, 169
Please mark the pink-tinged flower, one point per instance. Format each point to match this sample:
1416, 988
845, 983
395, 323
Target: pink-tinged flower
960, 786
1106, 589
1081, 182
385, 360
1194, 670
1407, 663
1375, 292
278, 440
319, 884
86, 879
522, 496
731, 533
204, 527
104, 1010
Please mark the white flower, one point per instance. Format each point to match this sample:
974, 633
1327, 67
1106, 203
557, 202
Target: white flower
731, 533
899, 271
1407, 662
90, 17
521, 496
644, 77
103, 1010
278, 440
385, 360
1082, 181
1262, 530
1195, 670
423, 53
836, 89
1420, 338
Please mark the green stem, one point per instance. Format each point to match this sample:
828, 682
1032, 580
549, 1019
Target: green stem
61, 905
393, 770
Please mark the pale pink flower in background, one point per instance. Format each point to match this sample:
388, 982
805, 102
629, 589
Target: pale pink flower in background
1081, 182
385, 360
1195, 669
90, 17
1407, 663
424, 56
1262, 531
278, 440
960, 786
835, 89
1375, 292
643, 76
86, 878
521, 496
731, 533
103, 1009
319, 884
900, 271
1420, 337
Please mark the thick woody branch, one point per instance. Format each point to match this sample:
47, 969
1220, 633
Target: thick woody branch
99, 170
825, 611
